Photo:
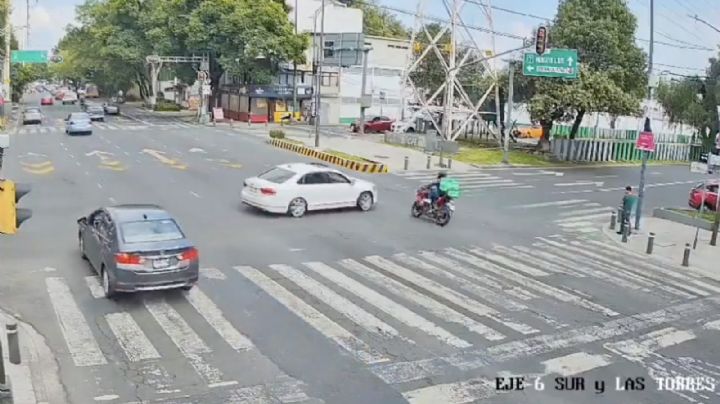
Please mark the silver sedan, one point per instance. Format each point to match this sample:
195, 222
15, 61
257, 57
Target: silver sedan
32, 115
137, 248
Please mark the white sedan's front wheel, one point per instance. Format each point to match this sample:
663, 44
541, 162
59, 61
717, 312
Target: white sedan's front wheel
297, 207
365, 201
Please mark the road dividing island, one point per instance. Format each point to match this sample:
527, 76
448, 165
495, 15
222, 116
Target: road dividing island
365, 166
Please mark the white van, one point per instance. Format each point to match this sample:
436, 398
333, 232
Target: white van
69, 98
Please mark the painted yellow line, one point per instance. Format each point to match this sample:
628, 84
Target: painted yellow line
40, 171
36, 165
111, 163
113, 168
233, 165
179, 166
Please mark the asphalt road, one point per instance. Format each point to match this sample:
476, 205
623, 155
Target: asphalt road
342, 307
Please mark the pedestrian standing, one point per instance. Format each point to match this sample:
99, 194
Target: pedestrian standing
629, 202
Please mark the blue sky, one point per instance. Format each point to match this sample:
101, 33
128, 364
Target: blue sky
672, 25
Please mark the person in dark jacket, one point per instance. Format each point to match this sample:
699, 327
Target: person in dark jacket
629, 202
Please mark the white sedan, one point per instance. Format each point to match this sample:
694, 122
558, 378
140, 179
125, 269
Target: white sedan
296, 188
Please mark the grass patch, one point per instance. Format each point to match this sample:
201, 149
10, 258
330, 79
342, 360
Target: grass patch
707, 216
488, 157
346, 156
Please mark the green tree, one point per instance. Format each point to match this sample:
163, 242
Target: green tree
684, 102
377, 21
23, 74
613, 78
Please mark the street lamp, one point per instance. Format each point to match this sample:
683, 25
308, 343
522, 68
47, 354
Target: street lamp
319, 69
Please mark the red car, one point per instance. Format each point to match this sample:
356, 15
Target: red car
710, 189
47, 100
374, 124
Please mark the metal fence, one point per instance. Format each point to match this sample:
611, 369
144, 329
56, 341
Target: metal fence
563, 131
593, 150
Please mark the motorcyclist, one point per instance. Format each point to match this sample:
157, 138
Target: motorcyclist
434, 188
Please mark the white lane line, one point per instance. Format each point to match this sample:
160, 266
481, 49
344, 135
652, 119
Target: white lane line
80, 341
691, 277
96, 289
459, 268
528, 270
472, 288
111, 199
195, 194
77, 163
550, 267
290, 391
574, 225
436, 308
403, 372
314, 318
213, 315
579, 184
106, 397
648, 271
132, 340
575, 363
468, 391
493, 185
712, 325
584, 217
339, 303
547, 204
579, 212
390, 307
450, 295
99, 185
186, 340
637, 349
531, 283
212, 273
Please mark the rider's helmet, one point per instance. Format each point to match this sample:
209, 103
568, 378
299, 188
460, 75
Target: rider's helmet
441, 175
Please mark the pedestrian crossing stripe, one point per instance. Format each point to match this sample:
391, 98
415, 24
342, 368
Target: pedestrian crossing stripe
469, 181
434, 302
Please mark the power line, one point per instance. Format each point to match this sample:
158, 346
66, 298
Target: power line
680, 67
693, 47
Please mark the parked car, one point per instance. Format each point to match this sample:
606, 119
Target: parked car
136, 248
297, 188
32, 116
59, 95
96, 112
111, 109
78, 122
710, 189
47, 100
69, 98
373, 124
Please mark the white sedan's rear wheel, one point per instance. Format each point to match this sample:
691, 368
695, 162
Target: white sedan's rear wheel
365, 201
297, 207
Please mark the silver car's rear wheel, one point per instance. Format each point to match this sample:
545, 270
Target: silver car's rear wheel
81, 246
365, 201
108, 288
297, 207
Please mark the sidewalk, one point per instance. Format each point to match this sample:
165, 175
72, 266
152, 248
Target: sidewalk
670, 239
36, 379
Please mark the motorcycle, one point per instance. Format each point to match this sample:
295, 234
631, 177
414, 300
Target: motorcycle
441, 213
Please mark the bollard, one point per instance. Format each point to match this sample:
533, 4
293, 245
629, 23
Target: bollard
613, 221
651, 243
625, 234
686, 255
449, 166
428, 162
13, 343
407, 161
231, 122
3, 380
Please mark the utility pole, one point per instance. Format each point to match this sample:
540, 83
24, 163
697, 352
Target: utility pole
648, 119
295, 102
363, 86
6, 61
508, 125
321, 59
27, 24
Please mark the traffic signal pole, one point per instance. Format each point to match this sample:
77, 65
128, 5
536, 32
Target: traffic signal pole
6, 61
646, 154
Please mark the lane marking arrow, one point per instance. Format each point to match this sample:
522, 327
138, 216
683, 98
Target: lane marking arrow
161, 157
570, 61
98, 153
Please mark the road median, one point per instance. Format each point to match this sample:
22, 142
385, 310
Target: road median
341, 159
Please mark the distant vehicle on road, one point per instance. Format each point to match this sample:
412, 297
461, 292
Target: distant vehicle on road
47, 100
91, 91
710, 189
111, 109
69, 98
136, 248
297, 188
373, 124
78, 122
32, 116
96, 112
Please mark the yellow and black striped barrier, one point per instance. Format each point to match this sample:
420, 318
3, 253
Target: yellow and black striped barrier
370, 167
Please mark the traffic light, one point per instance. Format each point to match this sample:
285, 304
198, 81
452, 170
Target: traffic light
541, 40
11, 217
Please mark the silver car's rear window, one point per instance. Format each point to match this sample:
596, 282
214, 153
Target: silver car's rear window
277, 175
148, 231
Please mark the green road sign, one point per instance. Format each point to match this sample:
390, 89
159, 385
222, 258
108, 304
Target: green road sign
562, 63
29, 56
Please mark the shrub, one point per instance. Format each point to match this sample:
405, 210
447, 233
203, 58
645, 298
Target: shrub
165, 105
277, 134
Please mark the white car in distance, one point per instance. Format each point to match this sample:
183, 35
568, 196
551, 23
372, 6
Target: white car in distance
300, 187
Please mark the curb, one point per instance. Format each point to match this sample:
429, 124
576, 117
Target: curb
36, 380
677, 217
370, 167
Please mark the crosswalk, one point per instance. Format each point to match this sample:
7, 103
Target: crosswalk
579, 216
111, 125
408, 318
470, 182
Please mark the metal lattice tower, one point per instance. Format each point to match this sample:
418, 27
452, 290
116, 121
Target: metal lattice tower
463, 52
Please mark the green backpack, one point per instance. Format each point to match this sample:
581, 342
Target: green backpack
451, 187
